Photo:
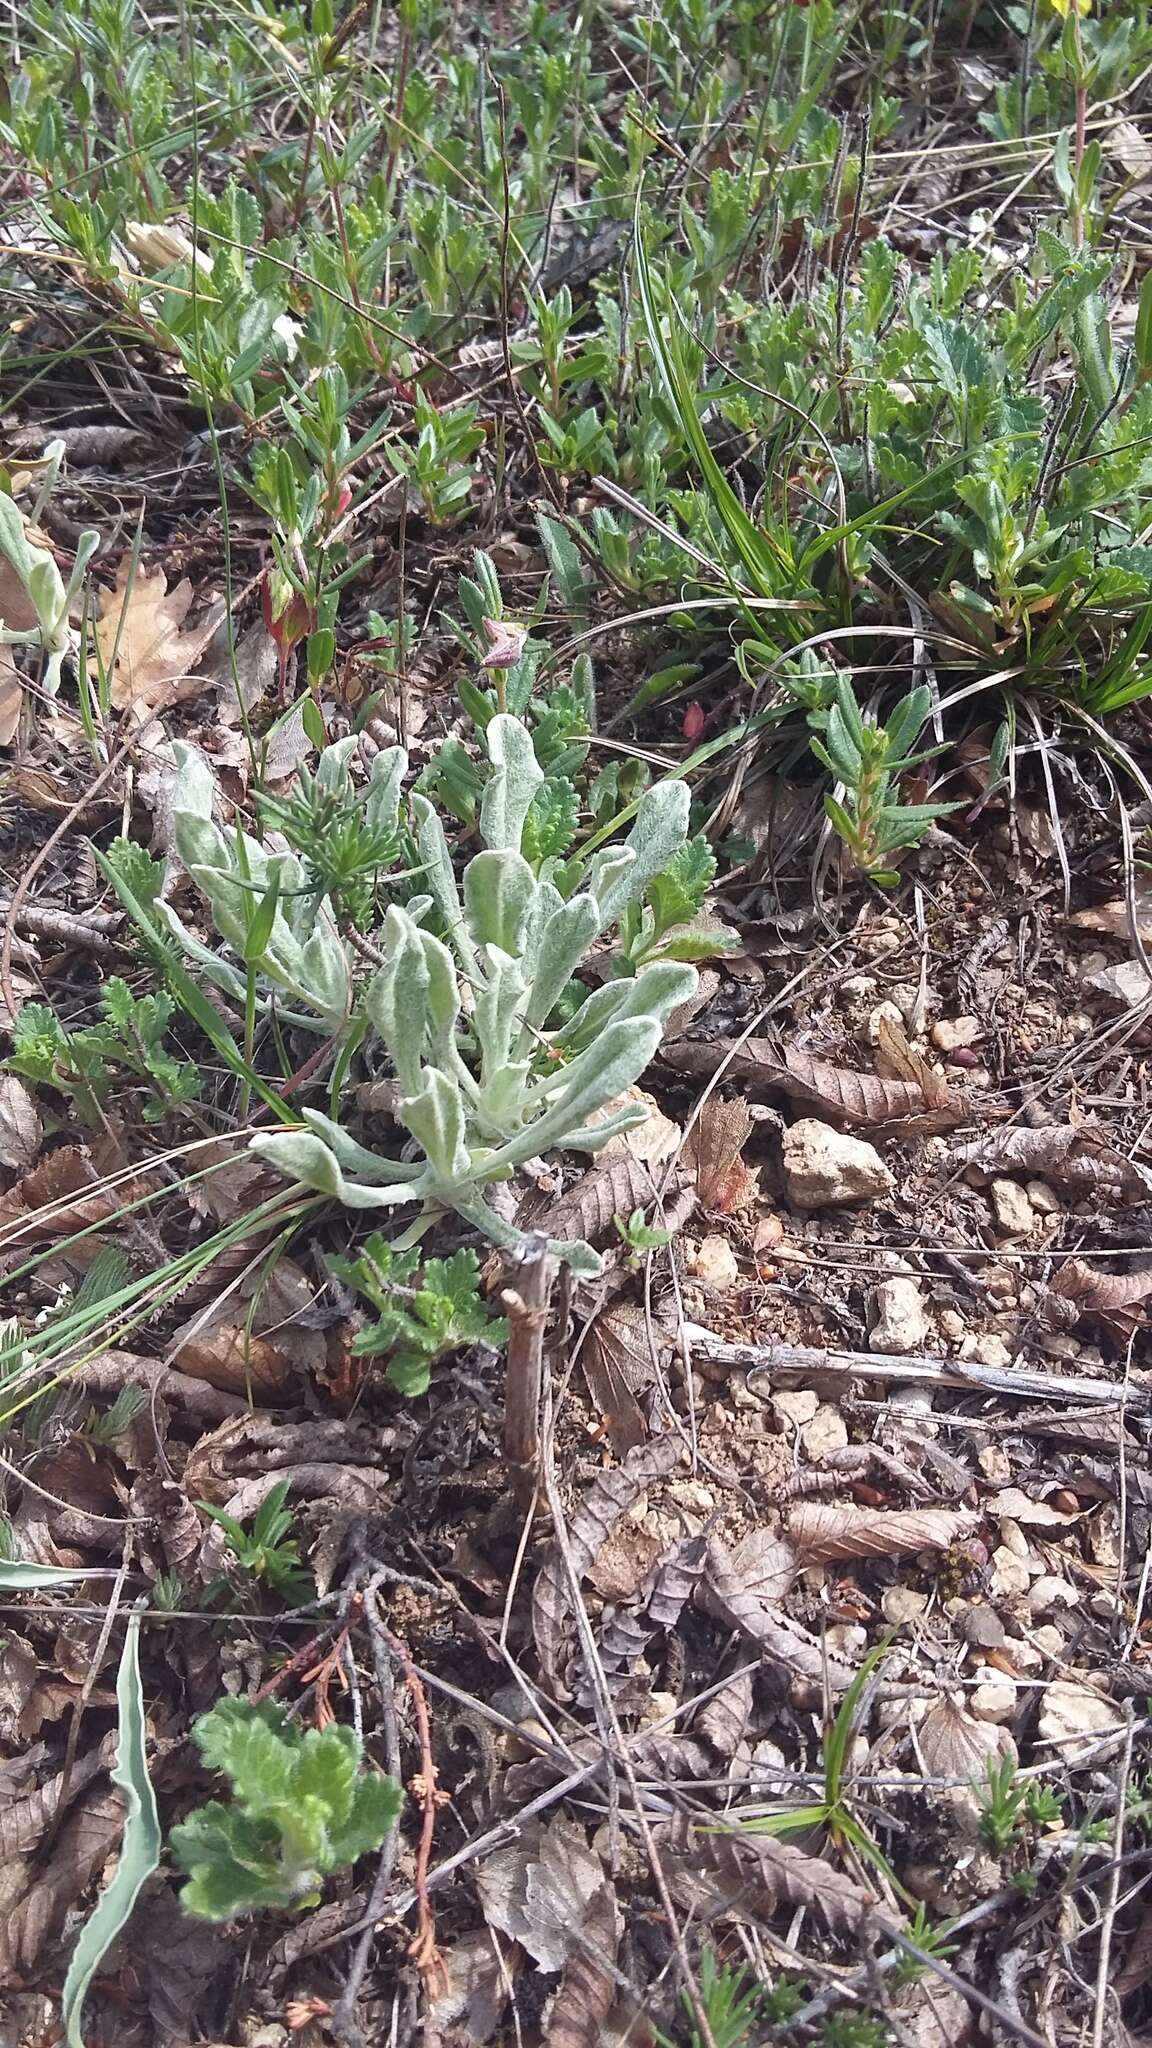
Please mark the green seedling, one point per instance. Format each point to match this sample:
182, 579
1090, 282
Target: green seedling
1001, 1806
424, 1311
83, 1063
267, 1553
639, 1236
302, 1807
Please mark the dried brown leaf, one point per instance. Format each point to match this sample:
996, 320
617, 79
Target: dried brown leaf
11, 696
230, 1356
179, 1960
539, 1889
40, 1207
140, 631
821, 1532
611, 1188
672, 1581
724, 1721
712, 1152
1116, 1300
17, 1679
467, 1996
956, 1746
1074, 1158
616, 1360
21, 1132
587, 1989
610, 1497
905, 1064
82, 1847
723, 1593
1112, 918
836, 1093
750, 1877
23, 1821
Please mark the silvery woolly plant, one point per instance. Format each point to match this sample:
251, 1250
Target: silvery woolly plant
464, 1021
265, 903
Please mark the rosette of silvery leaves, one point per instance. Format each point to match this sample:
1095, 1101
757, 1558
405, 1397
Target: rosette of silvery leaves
262, 901
464, 1021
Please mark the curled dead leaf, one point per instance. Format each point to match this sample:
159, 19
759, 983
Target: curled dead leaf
820, 1533
540, 1889
1116, 1300
1073, 1157
616, 1360
140, 638
613, 1187
712, 1153
957, 1747
727, 1874
836, 1093
608, 1499
587, 1989
21, 1132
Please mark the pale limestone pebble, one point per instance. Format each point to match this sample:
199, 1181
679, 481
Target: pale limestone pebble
1126, 983
856, 997
902, 1713
1078, 1024
884, 1013
826, 1432
951, 1325
886, 936
659, 1706
1049, 1640
824, 1167
1025, 1657
1013, 1538
1000, 1282
986, 1348
846, 1639
995, 1464
688, 1493
1044, 1199
902, 1603
1010, 1575
1069, 1712
713, 1262
994, 1699
1050, 1593
793, 1406
1011, 1210
1058, 1344
955, 1034
901, 1324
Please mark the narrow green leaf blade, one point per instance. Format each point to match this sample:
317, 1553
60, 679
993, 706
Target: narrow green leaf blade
139, 1847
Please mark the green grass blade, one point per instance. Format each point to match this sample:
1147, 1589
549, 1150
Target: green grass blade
139, 1846
16, 1576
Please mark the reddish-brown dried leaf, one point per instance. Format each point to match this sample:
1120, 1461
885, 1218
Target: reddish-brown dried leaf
724, 1721
712, 1152
616, 1360
588, 1987
1077, 1159
40, 1207
956, 1746
611, 1188
751, 1877
1114, 1299
837, 1093
820, 1533
610, 1497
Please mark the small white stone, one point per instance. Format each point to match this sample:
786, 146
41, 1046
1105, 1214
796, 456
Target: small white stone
995, 1464
952, 1325
953, 1034
793, 1406
824, 1167
1070, 1711
714, 1264
994, 1700
1010, 1576
846, 1638
987, 1349
1050, 1593
884, 1013
901, 1324
1049, 1640
826, 1432
1044, 1199
1058, 1344
902, 1603
1024, 1656
1011, 1208
1013, 1538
